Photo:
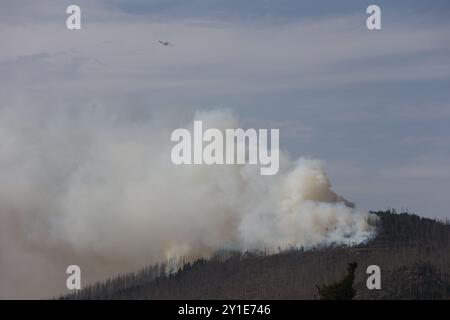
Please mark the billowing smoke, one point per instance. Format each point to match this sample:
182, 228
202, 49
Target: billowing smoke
96, 189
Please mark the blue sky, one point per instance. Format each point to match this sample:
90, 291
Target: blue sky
86, 177
293, 9
374, 105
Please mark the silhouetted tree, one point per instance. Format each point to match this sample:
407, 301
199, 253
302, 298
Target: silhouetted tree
341, 290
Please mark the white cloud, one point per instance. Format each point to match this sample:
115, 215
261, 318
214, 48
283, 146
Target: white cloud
210, 58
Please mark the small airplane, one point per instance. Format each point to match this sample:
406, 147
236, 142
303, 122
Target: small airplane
166, 43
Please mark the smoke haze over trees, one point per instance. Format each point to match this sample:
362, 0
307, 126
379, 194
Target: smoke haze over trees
412, 252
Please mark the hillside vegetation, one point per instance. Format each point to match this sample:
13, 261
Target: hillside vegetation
412, 252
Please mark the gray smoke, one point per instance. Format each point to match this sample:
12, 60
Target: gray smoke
93, 188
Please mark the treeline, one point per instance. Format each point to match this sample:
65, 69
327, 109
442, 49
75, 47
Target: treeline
412, 252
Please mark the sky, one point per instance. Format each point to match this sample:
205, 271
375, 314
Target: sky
373, 105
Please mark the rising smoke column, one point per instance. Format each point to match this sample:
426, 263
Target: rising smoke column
97, 189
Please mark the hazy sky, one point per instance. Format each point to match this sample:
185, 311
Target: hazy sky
374, 105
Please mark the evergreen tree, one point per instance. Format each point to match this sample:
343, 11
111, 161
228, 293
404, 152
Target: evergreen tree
341, 290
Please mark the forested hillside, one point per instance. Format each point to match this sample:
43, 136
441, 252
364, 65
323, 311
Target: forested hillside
412, 252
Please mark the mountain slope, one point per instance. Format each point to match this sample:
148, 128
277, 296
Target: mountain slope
412, 252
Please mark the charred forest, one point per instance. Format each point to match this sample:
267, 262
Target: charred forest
412, 252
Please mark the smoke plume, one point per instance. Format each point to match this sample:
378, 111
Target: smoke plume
96, 189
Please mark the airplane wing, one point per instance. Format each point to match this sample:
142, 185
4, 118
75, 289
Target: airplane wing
165, 43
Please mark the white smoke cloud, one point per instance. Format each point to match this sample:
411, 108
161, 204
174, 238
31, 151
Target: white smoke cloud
94, 188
